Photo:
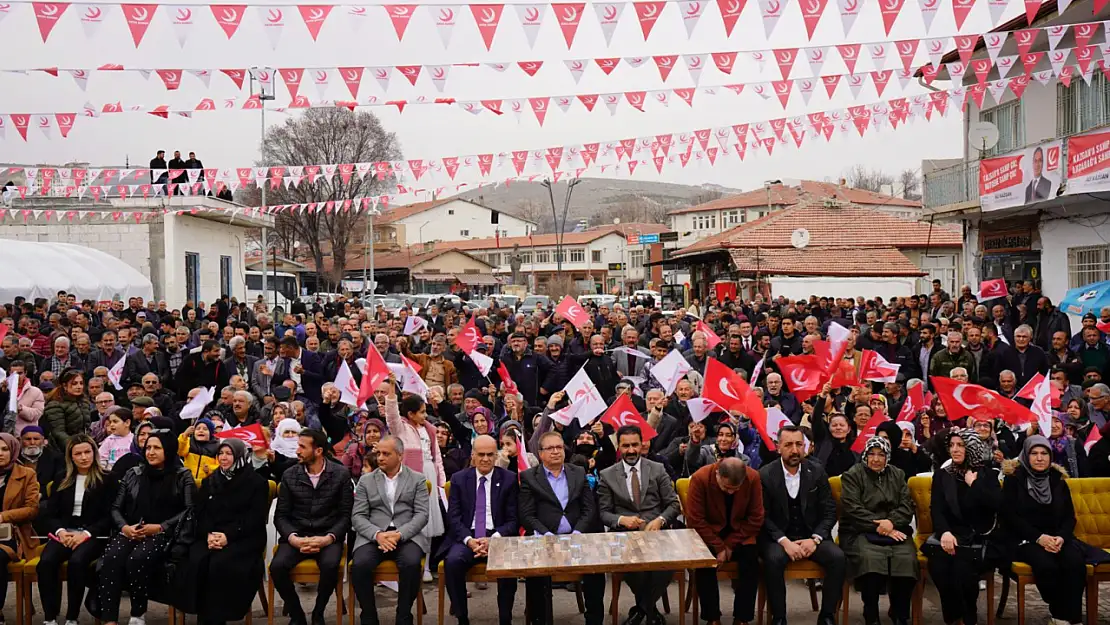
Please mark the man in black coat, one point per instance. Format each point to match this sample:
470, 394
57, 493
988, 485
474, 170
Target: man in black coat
157, 169
202, 368
527, 369
798, 517
897, 354
239, 362
556, 499
300, 365
1049, 320
149, 359
312, 518
735, 356
177, 166
1028, 359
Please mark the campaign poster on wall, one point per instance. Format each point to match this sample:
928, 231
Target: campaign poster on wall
1089, 163
1027, 176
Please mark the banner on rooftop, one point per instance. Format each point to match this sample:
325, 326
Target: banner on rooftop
1089, 163
1023, 177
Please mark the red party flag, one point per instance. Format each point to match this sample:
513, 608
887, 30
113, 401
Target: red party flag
962, 399
376, 373
506, 379
572, 311
710, 336
250, 434
990, 289
915, 402
622, 413
468, 337
873, 424
802, 375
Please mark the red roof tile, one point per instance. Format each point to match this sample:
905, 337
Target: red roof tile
830, 226
824, 261
569, 238
783, 195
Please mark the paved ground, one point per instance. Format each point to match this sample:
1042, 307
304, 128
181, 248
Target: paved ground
483, 607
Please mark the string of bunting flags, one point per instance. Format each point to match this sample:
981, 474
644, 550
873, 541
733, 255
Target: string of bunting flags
880, 53
540, 106
701, 146
486, 17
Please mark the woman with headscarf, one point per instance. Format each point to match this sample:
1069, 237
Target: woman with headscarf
197, 447
904, 453
284, 446
455, 458
231, 535
481, 422
1040, 519
78, 515
361, 452
875, 532
19, 492
153, 514
965, 502
134, 457
1067, 451
408, 420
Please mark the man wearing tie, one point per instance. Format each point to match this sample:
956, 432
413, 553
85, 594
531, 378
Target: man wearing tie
627, 364
1039, 187
637, 494
390, 512
305, 368
482, 506
555, 499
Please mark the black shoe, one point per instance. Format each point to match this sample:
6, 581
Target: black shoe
657, 618
635, 617
298, 619
318, 618
872, 621
899, 621
782, 621
825, 620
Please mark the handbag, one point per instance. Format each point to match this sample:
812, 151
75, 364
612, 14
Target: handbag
974, 553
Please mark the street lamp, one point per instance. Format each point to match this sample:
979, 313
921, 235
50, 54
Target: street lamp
573, 182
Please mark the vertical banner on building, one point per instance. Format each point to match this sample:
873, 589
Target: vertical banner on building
1018, 178
1089, 163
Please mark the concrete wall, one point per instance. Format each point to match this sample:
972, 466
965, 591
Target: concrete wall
452, 262
211, 240
449, 221
1086, 225
800, 288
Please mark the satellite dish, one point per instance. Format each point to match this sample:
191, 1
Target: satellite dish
982, 136
799, 238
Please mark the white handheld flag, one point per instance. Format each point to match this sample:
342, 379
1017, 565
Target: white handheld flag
1042, 406
195, 407
670, 370
414, 383
583, 395
635, 353
345, 382
414, 324
13, 392
483, 362
116, 373
700, 408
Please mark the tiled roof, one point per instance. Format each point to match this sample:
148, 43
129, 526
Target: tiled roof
569, 238
825, 261
400, 212
784, 195
830, 226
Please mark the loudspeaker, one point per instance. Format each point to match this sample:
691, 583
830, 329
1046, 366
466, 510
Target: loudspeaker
494, 216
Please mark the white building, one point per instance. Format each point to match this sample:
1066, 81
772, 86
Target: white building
602, 256
1062, 242
189, 256
694, 223
448, 219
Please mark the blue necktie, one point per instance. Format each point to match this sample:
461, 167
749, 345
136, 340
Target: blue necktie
480, 510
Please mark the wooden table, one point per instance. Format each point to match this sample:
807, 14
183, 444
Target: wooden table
609, 552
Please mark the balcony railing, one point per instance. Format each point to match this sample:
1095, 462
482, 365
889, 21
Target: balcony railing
952, 185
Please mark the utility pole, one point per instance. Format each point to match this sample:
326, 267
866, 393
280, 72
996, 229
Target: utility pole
560, 226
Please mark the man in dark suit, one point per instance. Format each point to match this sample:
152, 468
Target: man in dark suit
390, 512
799, 514
300, 365
665, 426
725, 508
483, 505
239, 362
1039, 187
150, 359
637, 494
555, 499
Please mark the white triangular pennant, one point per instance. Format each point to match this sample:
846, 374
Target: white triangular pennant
691, 14
445, 18
273, 22
182, 18
608, 15
92, 16
576, 67
531, 18
771, 11
849, 11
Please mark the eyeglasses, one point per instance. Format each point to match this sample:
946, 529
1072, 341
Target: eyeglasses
552, 449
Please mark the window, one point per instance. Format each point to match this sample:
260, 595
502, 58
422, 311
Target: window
450, 211
636, 259
225, 276
595, 256
578, 255
733, 218
1080, 107
526, 258
494, 259
943, 268
543, 256
1087, 265
1010, 121
464, 233
559, 256
192, 276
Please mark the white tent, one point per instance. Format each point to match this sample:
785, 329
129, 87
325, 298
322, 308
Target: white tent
34, 270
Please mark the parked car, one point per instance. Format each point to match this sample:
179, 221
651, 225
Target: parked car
530, 303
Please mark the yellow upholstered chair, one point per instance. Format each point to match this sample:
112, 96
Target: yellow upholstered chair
1091, 499
921, 489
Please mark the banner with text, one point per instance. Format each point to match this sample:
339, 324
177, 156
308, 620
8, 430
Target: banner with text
1023, 177
1089, 163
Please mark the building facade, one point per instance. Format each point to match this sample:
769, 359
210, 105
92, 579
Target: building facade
1061, 242
449, 219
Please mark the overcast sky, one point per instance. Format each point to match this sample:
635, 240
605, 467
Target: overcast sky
230, 138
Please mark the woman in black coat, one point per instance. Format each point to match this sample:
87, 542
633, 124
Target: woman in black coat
77, 517
1040, 519
966, 499
231, 535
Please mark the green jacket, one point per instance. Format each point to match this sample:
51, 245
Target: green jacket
945, 361
866, 497
62, 419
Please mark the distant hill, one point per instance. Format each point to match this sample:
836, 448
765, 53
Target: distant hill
596, 200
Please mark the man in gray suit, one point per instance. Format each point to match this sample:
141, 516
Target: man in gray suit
627, 364
637, 494
389, 514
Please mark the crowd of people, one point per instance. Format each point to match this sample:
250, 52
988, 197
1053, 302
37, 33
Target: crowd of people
109, 455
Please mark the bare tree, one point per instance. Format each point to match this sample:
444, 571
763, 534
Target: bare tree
326, 135
910, 181
531, 210
859, 177
636, 209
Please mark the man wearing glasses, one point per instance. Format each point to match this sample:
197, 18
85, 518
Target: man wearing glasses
556, 499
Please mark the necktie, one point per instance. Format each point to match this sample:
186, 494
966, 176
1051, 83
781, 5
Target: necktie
480, 510
635, 488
